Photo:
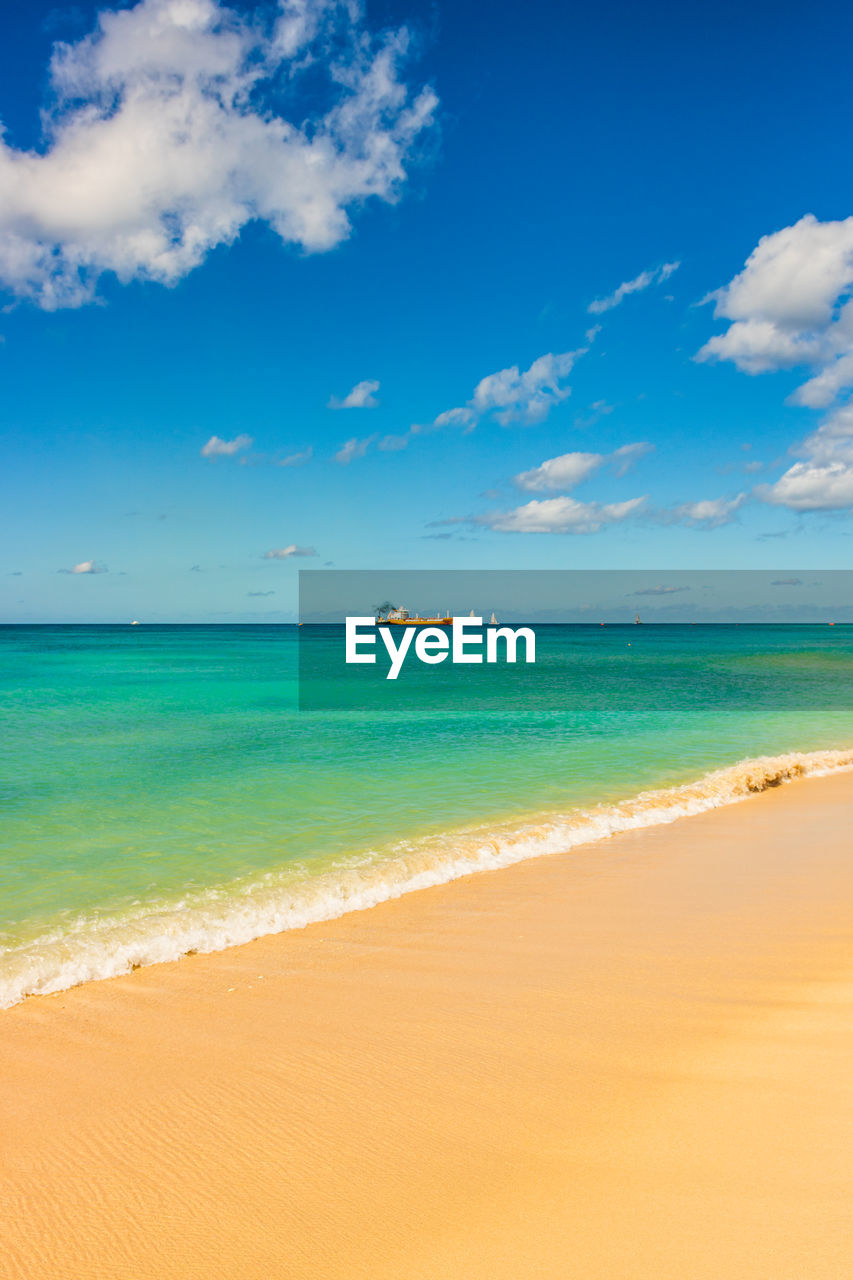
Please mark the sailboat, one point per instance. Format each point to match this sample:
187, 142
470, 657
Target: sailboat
638, 621
493, 622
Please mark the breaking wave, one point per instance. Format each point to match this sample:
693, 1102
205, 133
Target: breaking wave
93, 948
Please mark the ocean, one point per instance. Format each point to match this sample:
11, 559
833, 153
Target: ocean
163, 793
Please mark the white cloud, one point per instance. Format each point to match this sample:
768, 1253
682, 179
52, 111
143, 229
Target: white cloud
823, 481
564, 472
791, 306
812, 486
392, 443
218, 448
640, 282
710, 512
569, 469
460, 417
86, 566
512, 396
559, 515
285, 553
509, 394
353, 448
168, 133
362, 396
524, 397
295, 459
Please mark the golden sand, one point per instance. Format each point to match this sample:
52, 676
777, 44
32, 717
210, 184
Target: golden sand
634, 1060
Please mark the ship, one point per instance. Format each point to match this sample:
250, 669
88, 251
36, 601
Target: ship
638, 622
402, 618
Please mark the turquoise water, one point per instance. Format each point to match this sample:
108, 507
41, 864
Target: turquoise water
162, 792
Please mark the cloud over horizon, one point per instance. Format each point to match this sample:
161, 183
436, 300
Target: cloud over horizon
285, 553
86, 567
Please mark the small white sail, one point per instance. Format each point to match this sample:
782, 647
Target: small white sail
493, 620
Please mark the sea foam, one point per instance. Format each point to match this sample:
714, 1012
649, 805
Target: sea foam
92, 948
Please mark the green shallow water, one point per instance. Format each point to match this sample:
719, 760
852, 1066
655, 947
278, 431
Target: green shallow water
142, 766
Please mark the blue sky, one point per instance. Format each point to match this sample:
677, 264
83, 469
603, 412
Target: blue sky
221, 228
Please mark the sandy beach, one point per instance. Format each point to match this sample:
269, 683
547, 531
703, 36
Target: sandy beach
629, 1061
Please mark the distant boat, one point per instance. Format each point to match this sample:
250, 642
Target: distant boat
135, 622
402, 618
493, 622
638, 621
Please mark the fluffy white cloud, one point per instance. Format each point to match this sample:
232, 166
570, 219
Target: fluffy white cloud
218, 448
564, 472
791, 306
178, 121
285, 553
86, 566
559, 515
509, 395
823, 481
514, 396
710, 512
640, 282
809, 486
569, 469
362, 396
353, 448
833, 439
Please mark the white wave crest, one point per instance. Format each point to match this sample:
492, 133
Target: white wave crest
94, 948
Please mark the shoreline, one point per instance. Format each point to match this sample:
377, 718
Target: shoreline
628, 1060
219, 918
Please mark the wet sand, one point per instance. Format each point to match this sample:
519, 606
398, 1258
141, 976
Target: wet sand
632, 1060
